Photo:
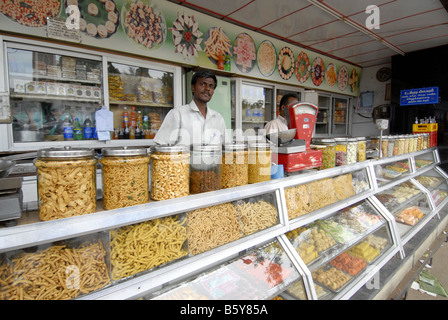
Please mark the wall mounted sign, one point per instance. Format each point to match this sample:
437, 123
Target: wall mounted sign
419, 96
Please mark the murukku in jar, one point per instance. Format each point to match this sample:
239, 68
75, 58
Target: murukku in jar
235, 162
125, 176
66, 182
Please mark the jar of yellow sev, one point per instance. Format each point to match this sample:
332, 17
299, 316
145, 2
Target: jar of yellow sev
235, 162
259, 162
66, 182
125, 176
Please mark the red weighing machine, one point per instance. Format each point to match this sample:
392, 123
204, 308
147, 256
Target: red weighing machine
297, 155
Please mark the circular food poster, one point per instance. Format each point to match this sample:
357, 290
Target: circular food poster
331, 75
353, 80
216, 42
266, 58
244, 52
143, 23
99, 19
342, 78
187, 37
30, 13
303, 67
317, 71
285, 63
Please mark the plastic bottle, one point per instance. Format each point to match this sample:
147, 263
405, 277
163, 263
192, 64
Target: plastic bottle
67, 129
133, 119
88, 129
77, 130
227, 65
125, 117
221, 61
95, 133
139, 117
126, 132
138, 131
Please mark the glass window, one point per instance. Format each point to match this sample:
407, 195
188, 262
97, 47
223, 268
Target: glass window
389, 172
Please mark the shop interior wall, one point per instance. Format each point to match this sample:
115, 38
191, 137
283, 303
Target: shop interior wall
362, 121
420, 69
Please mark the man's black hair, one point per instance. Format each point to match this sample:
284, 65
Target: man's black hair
285, 98
204, 73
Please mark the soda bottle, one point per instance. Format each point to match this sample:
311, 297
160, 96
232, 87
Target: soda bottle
77, 130
125, 116
67, 129
95, 134
121, 133
133, 119
126, 132
88, 129
139, 117
138, 131
131, 133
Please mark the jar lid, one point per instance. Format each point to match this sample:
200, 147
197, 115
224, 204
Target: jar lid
65, 152
352, 139
235, 146
324, 141
260, 145
360, 138
167, 148
340, 139
206, 147
124, 151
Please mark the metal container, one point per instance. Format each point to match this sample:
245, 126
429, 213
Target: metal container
259, 162
170, 172
6, 167
125, 176
205, 168
235, 165
66, 182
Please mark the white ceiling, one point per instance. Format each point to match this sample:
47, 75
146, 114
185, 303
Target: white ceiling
338, 27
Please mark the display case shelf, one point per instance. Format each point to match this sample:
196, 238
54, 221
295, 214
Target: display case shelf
216, 259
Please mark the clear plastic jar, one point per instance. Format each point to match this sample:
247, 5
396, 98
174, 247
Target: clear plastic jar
384, 145
352, 150
400, 144
341, 151
413, 145
205, 168
406, 143
328, 148
361, 150
259, 162
426, 141
419, 142
170, 172
66, 182
390, 146
235, 161
125, 176
396, 144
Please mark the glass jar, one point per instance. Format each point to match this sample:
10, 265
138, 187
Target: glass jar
384, 145
328, 148
170, 172
390, 146
352, 150
419, 142
125, 176
361, 148
205, 168
235, 160
66, 182
341, 151
259, 162
400, 144
397, 142
406, 143
426, 141
413, 145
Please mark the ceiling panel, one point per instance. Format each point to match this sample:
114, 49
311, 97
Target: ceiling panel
338, 27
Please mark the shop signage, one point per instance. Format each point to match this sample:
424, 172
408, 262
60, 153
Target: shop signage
419, 96
166, 31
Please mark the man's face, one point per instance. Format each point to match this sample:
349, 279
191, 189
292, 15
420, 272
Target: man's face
283, 108
203, 89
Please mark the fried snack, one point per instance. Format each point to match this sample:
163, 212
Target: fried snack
66, 188
259, 166
146, 245
235, 169
212, 227
344, 186
125, 181
322, 193
204, 181
332, 278
256, 216
56, 273
170, 176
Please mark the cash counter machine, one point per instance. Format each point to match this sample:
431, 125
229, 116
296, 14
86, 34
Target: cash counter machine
292, 148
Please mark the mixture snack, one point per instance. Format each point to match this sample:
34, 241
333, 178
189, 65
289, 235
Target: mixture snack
259, 166
235, 169
170, 176
66, 188
52, 273
125, 181
212, 227
146, 245
256, 216
322, 193
344, 186
298, 201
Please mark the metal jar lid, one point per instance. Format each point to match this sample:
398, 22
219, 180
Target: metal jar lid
66, 152
170, 148
206, 148
124, 151
260, 145
235, 146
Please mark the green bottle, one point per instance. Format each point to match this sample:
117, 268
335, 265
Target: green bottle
77, 130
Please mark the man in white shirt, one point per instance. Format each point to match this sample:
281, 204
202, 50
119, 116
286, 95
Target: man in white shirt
194, 123
280, 124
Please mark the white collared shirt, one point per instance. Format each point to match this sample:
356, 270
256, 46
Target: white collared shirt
278, 125
186, 125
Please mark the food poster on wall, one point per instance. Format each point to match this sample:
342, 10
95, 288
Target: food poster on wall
163, 30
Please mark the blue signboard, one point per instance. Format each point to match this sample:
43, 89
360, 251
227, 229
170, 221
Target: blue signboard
419, 96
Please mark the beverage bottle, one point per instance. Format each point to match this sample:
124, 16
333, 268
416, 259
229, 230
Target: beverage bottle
248, 113
227, 65
115, 136
121, 133
138, 131
131, 133
125, 116
133, 119
126, 132
67, 129
88, 129
77, 130
139, 117
95, 134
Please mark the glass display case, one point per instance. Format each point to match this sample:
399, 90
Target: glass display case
139, 97
389, 172
52, 92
